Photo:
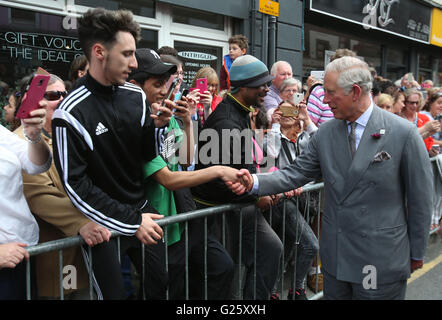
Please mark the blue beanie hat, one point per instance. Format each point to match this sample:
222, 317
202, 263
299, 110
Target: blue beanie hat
248, 71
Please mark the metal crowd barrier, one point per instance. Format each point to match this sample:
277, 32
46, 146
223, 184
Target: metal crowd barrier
59, 245
205, 213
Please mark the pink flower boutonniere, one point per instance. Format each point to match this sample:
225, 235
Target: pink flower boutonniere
379, 134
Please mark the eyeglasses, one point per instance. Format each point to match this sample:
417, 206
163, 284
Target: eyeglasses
290, 90
412, 102
54, 95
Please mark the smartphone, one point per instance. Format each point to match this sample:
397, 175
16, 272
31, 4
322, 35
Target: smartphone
34, 93
185, 92
438, 117
298, 97
410, 77
201, 84
289, 111
318, 75
169, 93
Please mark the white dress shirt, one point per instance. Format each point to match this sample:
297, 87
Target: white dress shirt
17, 224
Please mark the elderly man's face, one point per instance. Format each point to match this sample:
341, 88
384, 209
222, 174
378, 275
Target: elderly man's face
340, 103
284, 71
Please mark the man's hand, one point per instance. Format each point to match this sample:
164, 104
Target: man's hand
264, 203
416, 264
93, 234
242, 184
230, 176
11, 254
182, 110
149, 232
166, 112
293, 193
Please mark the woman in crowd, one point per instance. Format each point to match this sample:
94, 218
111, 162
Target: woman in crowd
10, 111
288, 88
18, 227
433, 110
210, 99
385, 101
426, 127
398, 104
286, 140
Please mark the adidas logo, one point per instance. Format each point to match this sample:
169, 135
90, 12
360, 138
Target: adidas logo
100, 129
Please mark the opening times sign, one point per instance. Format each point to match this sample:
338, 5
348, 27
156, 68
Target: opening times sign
405, 18
42, 47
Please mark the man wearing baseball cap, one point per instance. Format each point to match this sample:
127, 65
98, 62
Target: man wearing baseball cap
249, 78
152, 76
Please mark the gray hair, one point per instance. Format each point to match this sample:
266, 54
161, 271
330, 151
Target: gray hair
275, 66
290, 82
351, 71
54, 78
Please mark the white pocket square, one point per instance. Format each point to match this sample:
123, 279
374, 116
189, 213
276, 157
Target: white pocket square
381, 156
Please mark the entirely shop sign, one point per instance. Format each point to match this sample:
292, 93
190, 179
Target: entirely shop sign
43, 47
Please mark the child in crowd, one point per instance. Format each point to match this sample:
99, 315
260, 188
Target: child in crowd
238, 45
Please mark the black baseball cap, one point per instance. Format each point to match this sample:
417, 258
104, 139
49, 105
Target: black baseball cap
150, 64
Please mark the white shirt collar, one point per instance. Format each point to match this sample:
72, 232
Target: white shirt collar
363, 119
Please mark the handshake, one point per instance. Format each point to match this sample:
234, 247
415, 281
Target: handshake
238, 181
241, 181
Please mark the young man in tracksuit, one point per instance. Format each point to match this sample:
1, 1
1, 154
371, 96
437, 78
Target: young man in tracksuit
103, 134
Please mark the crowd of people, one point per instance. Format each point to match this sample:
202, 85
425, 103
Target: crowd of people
109, 150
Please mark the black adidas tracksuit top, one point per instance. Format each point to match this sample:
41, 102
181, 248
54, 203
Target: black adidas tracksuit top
101, 138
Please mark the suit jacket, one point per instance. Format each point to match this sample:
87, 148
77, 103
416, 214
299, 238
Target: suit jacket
57, 218
375, 213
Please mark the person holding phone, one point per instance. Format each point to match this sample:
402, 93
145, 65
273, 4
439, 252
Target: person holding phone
289, 87
174, 149
286, 140
208, 96
18, 228
57, 217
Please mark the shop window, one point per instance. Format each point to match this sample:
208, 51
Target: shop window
149, 39
196, 56
40, 40
197, 18
144, 8
23, 17
321, 43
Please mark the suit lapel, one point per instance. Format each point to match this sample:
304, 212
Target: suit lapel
368, 147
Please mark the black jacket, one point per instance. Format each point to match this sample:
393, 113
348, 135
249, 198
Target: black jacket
229, 118
101, 137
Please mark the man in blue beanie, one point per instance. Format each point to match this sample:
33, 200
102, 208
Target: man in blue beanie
231, 123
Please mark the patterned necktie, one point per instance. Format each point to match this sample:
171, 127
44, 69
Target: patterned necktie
352, 138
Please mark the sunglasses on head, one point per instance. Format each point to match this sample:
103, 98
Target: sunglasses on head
54, 95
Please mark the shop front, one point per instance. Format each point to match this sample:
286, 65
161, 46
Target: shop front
391, 36
44, 35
